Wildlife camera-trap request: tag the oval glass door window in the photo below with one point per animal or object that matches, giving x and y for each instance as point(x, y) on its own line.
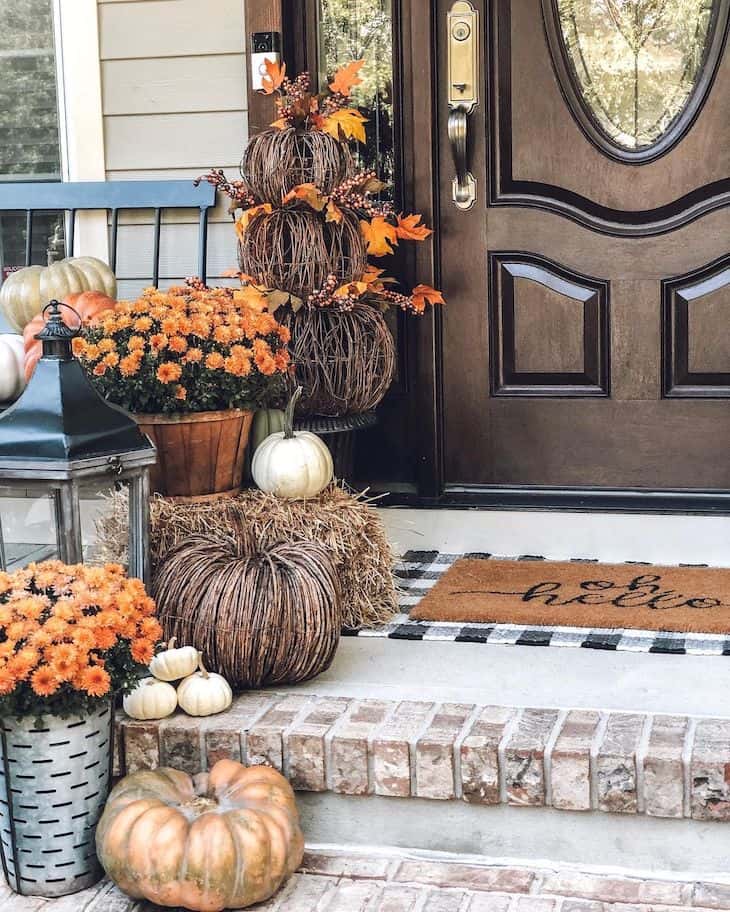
point(637, 68)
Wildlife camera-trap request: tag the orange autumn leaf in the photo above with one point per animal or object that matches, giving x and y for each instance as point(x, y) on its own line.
point(345, 124)
point(334, 213)
point(243, 220)
point(380, 235)
point(280, 124)
point(409, 228)
point(309, 193)
point(423, 295)
point(276, 73)
point(352, 289)
point(346, 78)
point(251, 297)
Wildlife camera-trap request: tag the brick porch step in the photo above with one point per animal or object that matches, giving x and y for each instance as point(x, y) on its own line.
point(339, 880)
point(576, 760)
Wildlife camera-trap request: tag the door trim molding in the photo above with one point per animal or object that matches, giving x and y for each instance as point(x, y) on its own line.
point(505, 190)
point(589, 500)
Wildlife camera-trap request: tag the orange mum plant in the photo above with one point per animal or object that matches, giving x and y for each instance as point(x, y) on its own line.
point(71, 636)
point(189, 349)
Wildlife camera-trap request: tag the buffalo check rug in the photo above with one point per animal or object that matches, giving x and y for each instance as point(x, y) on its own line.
point(418, 571)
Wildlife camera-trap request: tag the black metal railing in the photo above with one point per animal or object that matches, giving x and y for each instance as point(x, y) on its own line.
point(113, 197)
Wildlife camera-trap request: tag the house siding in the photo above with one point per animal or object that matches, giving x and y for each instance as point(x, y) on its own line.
point(173, 78)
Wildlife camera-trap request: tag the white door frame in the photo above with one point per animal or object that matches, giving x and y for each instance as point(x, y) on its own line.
point(78, 68)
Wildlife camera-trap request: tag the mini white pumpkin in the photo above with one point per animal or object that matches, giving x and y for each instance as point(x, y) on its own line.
point(26, 292)
point(204, 693)
point(294, 466)
point(12, 366)
point(174, 663)
point(151, 699)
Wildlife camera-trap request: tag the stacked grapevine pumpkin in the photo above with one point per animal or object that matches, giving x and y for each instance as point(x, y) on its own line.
point(309, 224)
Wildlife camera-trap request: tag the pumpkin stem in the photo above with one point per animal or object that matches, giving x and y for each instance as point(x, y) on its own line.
point(201, 668)
point(289, 414)
point(171, 642)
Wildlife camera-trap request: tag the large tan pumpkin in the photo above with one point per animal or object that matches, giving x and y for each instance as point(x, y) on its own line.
point(87, 304)
point(227, 839)
point(26, 292)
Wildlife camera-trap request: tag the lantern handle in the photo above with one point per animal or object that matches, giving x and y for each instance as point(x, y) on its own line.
point(57, 304)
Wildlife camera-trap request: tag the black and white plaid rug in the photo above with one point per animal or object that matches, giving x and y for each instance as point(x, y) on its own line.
point(419, 571)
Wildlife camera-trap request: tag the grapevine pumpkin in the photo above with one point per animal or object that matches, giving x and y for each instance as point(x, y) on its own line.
point(260, 615)
point(292, 465)
point(26, 292)
point(87, 304)
point(227, 839)
point(12, 379)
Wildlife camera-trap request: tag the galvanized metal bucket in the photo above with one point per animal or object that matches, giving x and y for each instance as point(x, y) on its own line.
point(54, 782)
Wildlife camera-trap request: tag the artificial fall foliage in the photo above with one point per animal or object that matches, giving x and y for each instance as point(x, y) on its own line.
point(381, 226)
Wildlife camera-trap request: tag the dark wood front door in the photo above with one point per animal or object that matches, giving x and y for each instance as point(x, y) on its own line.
point(586, 340)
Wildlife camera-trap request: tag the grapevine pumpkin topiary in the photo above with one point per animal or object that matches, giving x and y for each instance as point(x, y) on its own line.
point(276, 161)
point(269, 615)
point(345, 360)
point(227, 839)
point(26, 292)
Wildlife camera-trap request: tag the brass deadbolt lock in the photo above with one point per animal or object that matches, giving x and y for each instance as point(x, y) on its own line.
point(461, 31)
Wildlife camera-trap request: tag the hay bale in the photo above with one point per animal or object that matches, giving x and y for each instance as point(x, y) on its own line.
point(345, 525)
point(260, 616)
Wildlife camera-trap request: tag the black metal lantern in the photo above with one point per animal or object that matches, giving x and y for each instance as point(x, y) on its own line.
point(62, 448)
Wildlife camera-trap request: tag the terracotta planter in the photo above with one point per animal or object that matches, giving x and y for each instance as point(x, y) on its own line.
point(199, 454)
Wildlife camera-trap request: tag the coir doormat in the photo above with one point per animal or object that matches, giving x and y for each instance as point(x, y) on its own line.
point(576, 594)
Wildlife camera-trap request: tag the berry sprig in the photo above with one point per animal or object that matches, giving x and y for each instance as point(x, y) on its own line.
point(355, 193)
point(236, 189)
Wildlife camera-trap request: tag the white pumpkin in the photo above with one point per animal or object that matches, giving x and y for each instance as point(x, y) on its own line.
point(26, 292)
point(292, 465)
point(174, 663)
point(151, 699)
point(204, 693)
point(12, 366)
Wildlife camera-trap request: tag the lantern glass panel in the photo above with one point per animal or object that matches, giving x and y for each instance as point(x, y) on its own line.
point(100, 520)
point(27, 513)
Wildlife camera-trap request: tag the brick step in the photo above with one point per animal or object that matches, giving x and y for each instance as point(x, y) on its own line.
point(671, 767)
point(347, 880)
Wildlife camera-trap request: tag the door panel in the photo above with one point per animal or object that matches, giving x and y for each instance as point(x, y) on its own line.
point(584, 343)
point(571, 174)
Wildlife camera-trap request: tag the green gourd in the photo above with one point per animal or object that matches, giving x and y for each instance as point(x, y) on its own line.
point(265, 423)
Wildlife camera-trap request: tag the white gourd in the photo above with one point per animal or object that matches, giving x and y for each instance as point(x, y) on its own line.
point(26, 292)
point(204, 693)
point(151, 699)
point(292, 465)
point(174, 663)
point(12, 369)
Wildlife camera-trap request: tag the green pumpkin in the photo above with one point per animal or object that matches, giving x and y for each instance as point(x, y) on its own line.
point(265, 422)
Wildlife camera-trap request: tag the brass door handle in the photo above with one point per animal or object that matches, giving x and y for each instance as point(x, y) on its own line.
point(464, 190)
point(463, 76)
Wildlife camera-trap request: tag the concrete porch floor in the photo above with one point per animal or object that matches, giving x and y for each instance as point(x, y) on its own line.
point(370, 667)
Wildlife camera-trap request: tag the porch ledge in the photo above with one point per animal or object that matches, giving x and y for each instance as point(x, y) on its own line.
point(575, 760)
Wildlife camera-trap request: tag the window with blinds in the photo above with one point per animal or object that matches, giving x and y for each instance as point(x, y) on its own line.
point(29, 129)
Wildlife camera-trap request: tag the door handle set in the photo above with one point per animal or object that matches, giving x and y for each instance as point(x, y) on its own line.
point(463, 74)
